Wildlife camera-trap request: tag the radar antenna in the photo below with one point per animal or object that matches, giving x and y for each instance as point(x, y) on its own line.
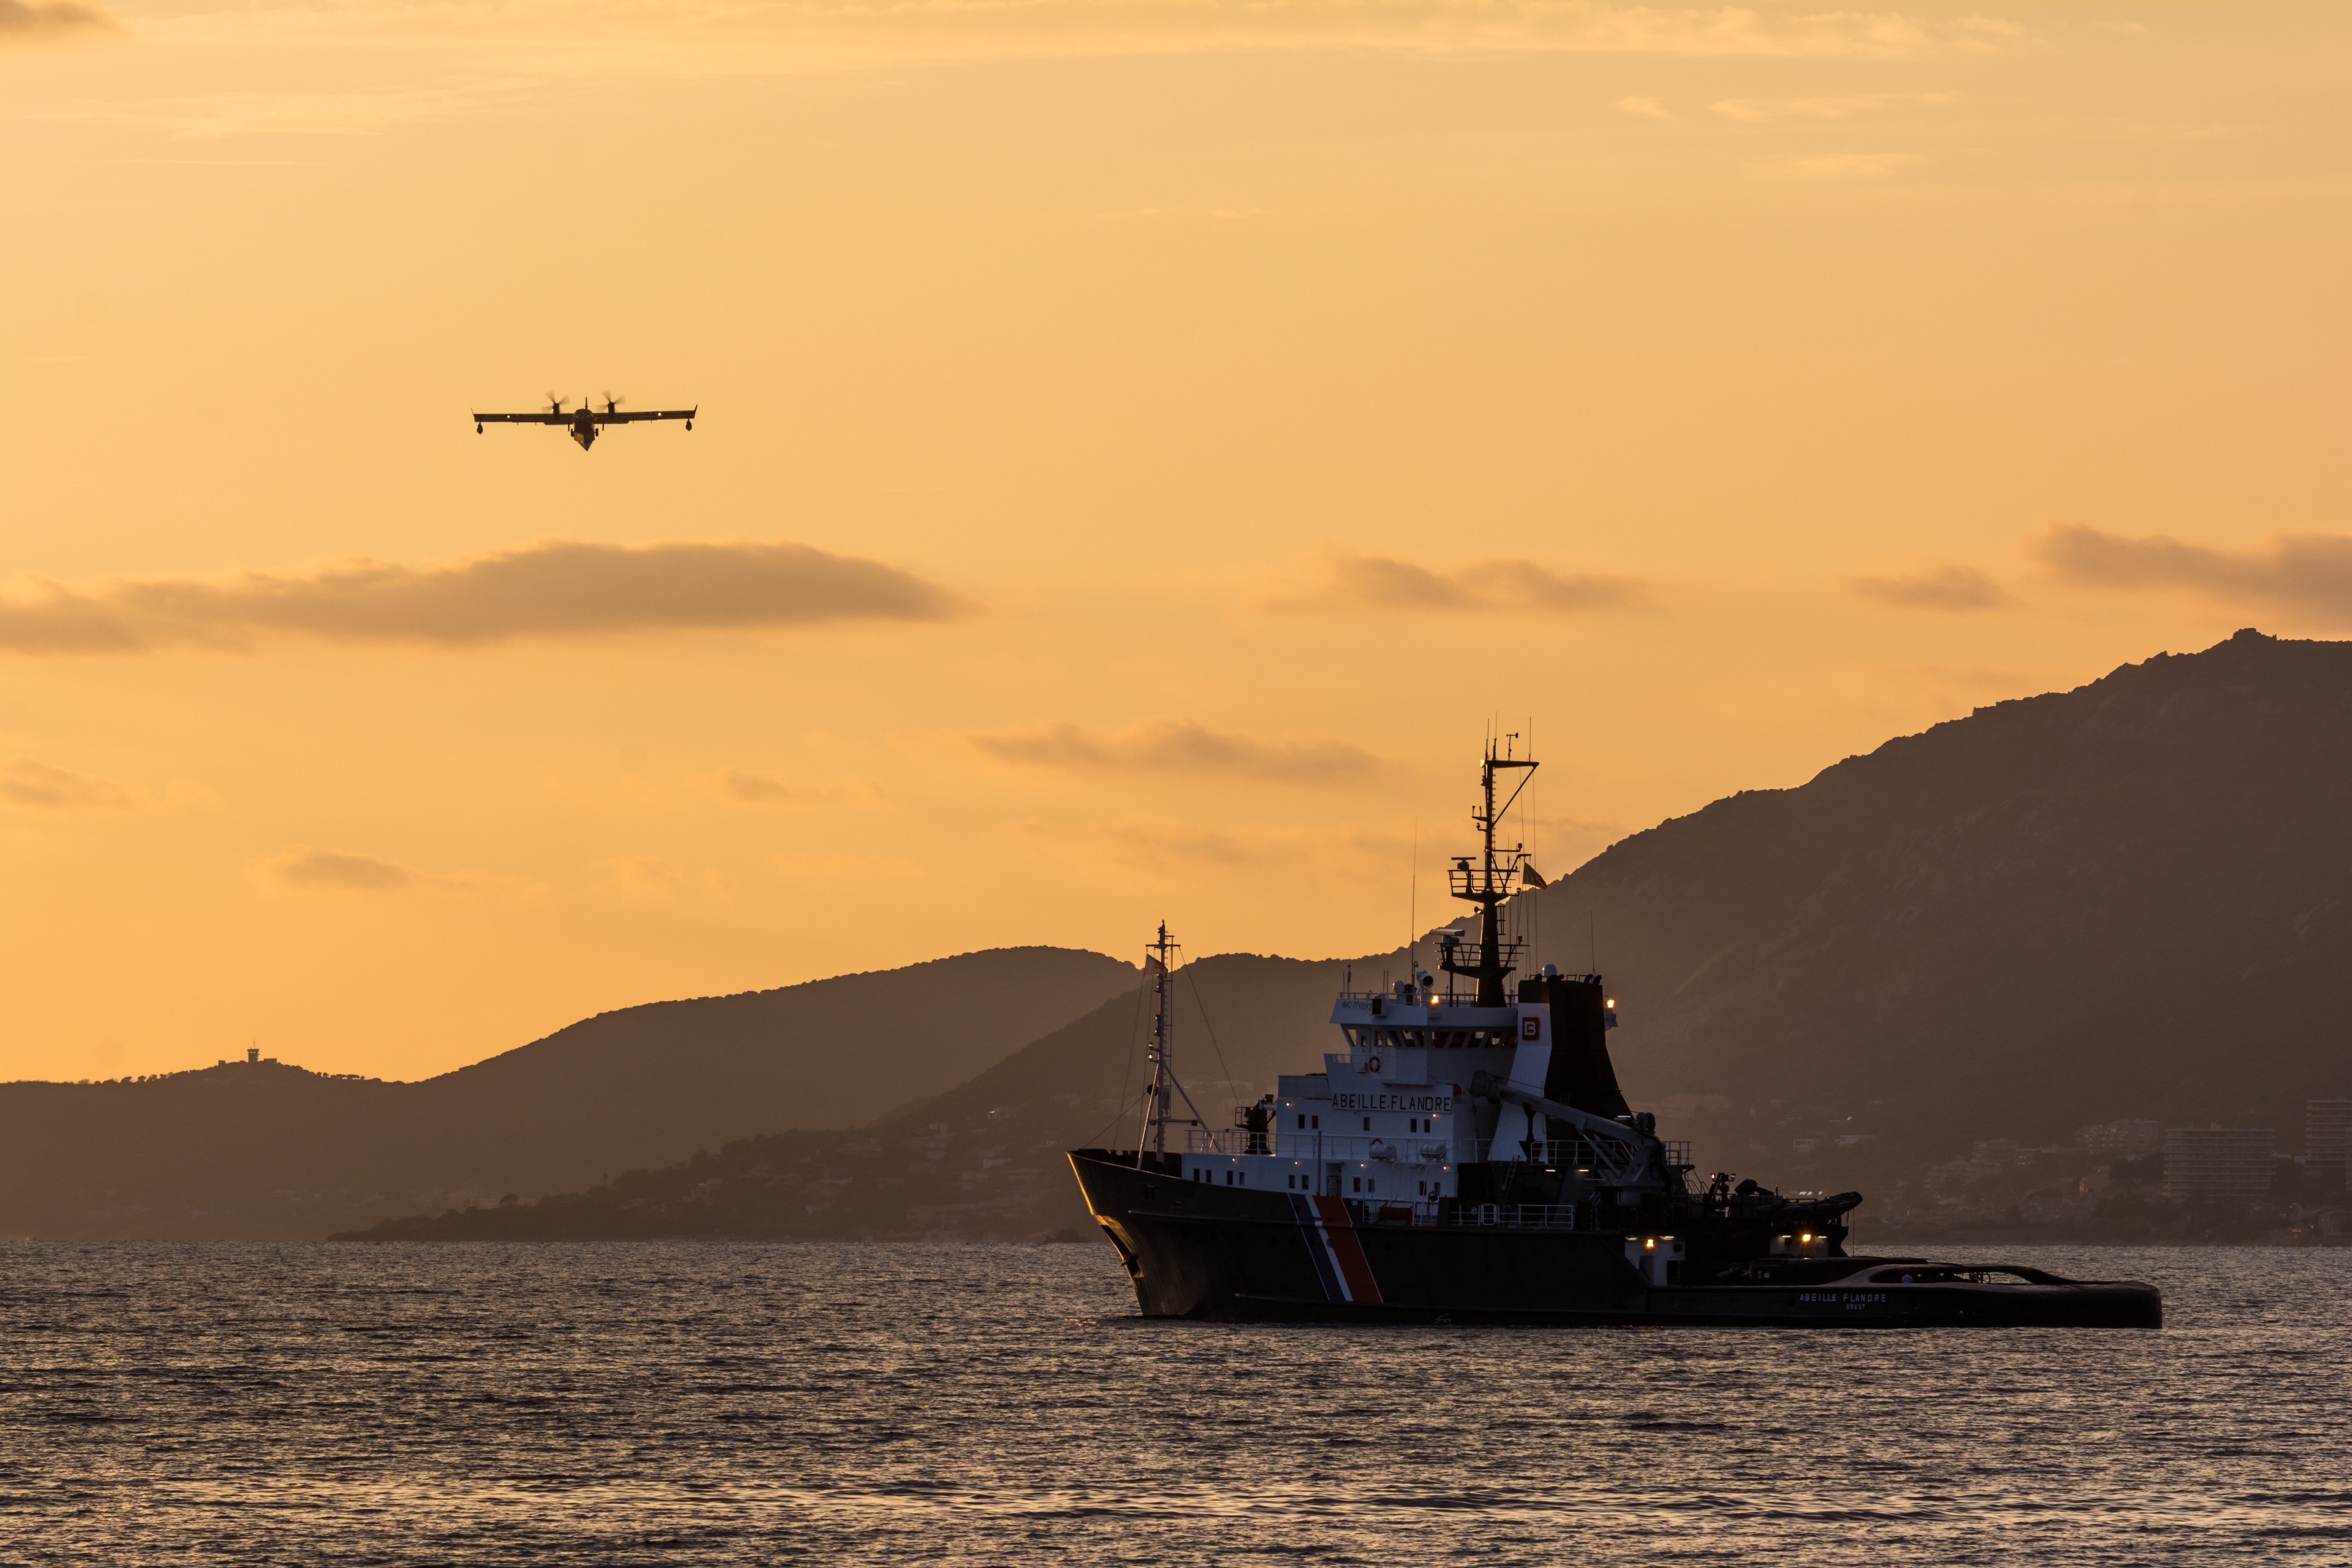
point(1489, 884)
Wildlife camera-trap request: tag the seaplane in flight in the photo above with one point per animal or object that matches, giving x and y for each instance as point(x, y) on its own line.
point(584, 423)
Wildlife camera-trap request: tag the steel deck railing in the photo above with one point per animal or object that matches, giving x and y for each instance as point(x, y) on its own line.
point(1407, 1149)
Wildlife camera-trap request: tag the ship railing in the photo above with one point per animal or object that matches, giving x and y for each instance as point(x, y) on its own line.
point(1577, 1154)
point(1520, 1216)
point(1471, 957)
point(1583, 1156)
point(1332, 1148)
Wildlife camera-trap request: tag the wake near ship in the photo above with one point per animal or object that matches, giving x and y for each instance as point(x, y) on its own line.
point(1469, 1156)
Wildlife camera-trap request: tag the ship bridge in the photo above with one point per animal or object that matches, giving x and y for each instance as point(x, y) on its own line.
point(1399, 1017)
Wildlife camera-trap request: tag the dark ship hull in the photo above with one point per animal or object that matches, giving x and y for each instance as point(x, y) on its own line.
point(1199, 1251)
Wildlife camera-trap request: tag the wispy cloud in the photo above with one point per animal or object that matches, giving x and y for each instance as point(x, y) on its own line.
point(1184, 747)
point(2310, 573)
point(1164, 846)
point(721, 37)
point(555, 589)
point(41, 787)
point(48, 21)
point(1943, 588)
point(217, 115)
point(305, 870)
point(1646, 108)
point(1762, 111)
point(1982, 680)
point(314, 871)
point(1848, 165)
point(651, 876)
point(758, 789)
point(1341, 579)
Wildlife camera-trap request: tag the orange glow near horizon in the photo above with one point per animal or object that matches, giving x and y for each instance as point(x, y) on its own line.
point(1143, 450)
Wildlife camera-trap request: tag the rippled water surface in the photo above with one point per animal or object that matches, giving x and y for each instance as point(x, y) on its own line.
point(715, 1403)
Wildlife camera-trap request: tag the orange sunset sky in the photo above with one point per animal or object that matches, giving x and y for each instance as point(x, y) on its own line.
point(1143, 448)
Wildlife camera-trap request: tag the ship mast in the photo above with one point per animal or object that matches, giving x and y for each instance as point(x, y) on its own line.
point(1489, 884)
point(1160, 961)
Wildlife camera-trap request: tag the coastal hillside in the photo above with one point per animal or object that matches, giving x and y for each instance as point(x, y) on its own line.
point(2132, 900)
point(269, 1150)
point(2129, 900)
point(983, 1159)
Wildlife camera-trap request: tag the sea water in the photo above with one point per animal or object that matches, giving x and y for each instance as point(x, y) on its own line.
point(722, 1403)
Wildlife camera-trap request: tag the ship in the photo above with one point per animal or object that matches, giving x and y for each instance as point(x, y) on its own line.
point(1469, 1157)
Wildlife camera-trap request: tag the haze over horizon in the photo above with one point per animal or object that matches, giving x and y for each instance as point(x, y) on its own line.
point(1142, 450)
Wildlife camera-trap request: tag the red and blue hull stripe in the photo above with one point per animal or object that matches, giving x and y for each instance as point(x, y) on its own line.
point(1335, 1249)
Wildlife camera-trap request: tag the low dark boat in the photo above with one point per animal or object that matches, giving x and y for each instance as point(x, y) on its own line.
point(1471, 1159)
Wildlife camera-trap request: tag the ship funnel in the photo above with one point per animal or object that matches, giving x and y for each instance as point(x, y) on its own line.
point(1580, 1073)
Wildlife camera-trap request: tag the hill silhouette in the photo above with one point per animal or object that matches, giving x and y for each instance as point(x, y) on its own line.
point(269, 1150)
point(2129, 899)
point(985, 1158)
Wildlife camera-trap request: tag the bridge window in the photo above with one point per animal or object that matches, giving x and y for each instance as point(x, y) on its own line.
point(1368, 1124)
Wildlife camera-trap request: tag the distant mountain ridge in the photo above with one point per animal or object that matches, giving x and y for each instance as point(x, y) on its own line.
point(269, 1150)
point(2132, 899)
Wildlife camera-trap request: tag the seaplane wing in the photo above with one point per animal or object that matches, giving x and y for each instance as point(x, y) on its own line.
point(556, 418)
point(626, 415)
